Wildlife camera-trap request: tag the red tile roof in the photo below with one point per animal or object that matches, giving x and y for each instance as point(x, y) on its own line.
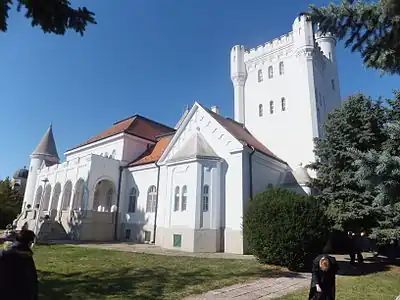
point(137, 125)
point(154, 153)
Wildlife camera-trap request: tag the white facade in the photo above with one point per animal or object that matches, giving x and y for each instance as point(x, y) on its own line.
point(284, 89)
point(188, 187)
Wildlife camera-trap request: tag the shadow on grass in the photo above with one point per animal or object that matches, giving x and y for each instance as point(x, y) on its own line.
point(371, 265)
point(128, 283)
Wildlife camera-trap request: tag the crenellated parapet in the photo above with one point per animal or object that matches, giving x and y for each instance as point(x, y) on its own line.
point(269, 48)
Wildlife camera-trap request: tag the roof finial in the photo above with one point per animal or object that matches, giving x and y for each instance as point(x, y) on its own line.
point(51, 124)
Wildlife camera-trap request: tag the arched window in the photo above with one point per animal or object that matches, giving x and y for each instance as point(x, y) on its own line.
point(281, 68)
point(113, 154)
point(271, 107)
point(260, 75)
point(132, 201)
point(184, 198)
point(330, 56)
point(333, 84)
point(283, 104)
point(66, 200)
point(176, 198)
point(151, 199)
point(46, 198)
point(206, 191)
point(39, 193)
point(260, 110)
point(109, 198)
point(270, 72)
point(106, 154)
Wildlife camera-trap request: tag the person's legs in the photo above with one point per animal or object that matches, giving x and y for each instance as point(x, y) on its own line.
point(352, 257)
point(360, 258)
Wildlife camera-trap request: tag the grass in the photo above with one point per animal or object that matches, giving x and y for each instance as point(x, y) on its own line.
point(68, 272)
point(376, 286)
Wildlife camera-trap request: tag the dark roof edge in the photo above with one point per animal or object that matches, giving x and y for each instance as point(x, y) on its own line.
point(266, 154)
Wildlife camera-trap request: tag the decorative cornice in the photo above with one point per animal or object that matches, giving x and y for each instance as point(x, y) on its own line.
point(308, 53)
point(239, 79)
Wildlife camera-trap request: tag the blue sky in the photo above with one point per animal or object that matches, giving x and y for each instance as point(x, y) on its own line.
point(150, 57)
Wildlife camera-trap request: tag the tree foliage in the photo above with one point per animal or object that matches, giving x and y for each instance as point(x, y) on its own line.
point(53, 16)
point(285, 228)
point(358, 124)
point(10, 203)
point(378, 171)
point(371, 28)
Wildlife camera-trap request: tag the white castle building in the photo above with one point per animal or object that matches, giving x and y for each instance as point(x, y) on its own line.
point(187, 187)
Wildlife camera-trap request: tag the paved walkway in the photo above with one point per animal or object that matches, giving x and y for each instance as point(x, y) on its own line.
point(265, 288)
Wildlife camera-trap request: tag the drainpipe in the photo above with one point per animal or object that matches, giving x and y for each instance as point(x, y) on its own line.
point(156, 208)
point(251, 170)
point(118, 201)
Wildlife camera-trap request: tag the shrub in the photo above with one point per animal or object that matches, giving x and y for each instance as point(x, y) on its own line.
point(285, 228)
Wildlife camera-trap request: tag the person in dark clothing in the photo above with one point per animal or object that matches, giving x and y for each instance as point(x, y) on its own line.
point(354, 248)
point(18, 277)
point(323, 279)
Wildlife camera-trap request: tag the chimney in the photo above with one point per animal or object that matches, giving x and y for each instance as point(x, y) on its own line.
point(215, 109)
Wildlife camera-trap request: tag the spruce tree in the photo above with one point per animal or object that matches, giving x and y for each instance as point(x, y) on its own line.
point(52, 16)
point(358, 124)
point(369, 27)
point(378, 171)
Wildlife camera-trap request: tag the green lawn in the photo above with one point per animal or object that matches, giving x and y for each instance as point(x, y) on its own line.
point(68, 272)
point(383, 285)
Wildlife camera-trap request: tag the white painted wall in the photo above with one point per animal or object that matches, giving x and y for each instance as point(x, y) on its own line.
point(288, 133)
point(141, 178)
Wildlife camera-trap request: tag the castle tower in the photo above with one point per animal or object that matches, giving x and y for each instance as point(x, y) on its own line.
point(238, 77)
point(44, 154)
point(284, 89)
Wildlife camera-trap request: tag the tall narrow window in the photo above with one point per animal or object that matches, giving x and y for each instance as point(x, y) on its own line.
point(270, 72)
point(177, 198)
point(333, 84)
point(206, 191)
point(110, 193)
point(260, 75)
point(184, 198)
point(260, 110)
point(132, 201)
point(151, 199)
point(330, 56)
point(271, 107)
point(281, 68)
point(283, 104)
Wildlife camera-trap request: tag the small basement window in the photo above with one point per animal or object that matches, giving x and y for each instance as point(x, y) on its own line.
point(177, 240)
point(127, 234)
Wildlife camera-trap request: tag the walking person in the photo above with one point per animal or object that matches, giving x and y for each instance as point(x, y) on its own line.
point(323, 279)
point(18, 277)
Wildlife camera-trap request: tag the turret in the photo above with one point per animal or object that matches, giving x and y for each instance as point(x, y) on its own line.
point(44, 154)
point(238, 77)
point(303, 33)
point(327, 43)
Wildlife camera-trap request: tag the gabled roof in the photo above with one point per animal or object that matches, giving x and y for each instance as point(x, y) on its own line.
point(195, 147)
point(241, 134)
point(154, 153)
point(47, 147)
point(136, 125)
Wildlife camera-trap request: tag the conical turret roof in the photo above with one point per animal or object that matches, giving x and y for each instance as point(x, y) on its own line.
point(47, 147)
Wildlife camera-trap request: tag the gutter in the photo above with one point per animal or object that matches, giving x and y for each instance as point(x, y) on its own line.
point(156, 208)
point(251, 170)
point(118, 201)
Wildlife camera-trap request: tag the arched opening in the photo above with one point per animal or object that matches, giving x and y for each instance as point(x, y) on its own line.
point(77, 203)
point(54, 199)
point(38, 196)
point(46, 198)
point(104, 196)
point(66, 199)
